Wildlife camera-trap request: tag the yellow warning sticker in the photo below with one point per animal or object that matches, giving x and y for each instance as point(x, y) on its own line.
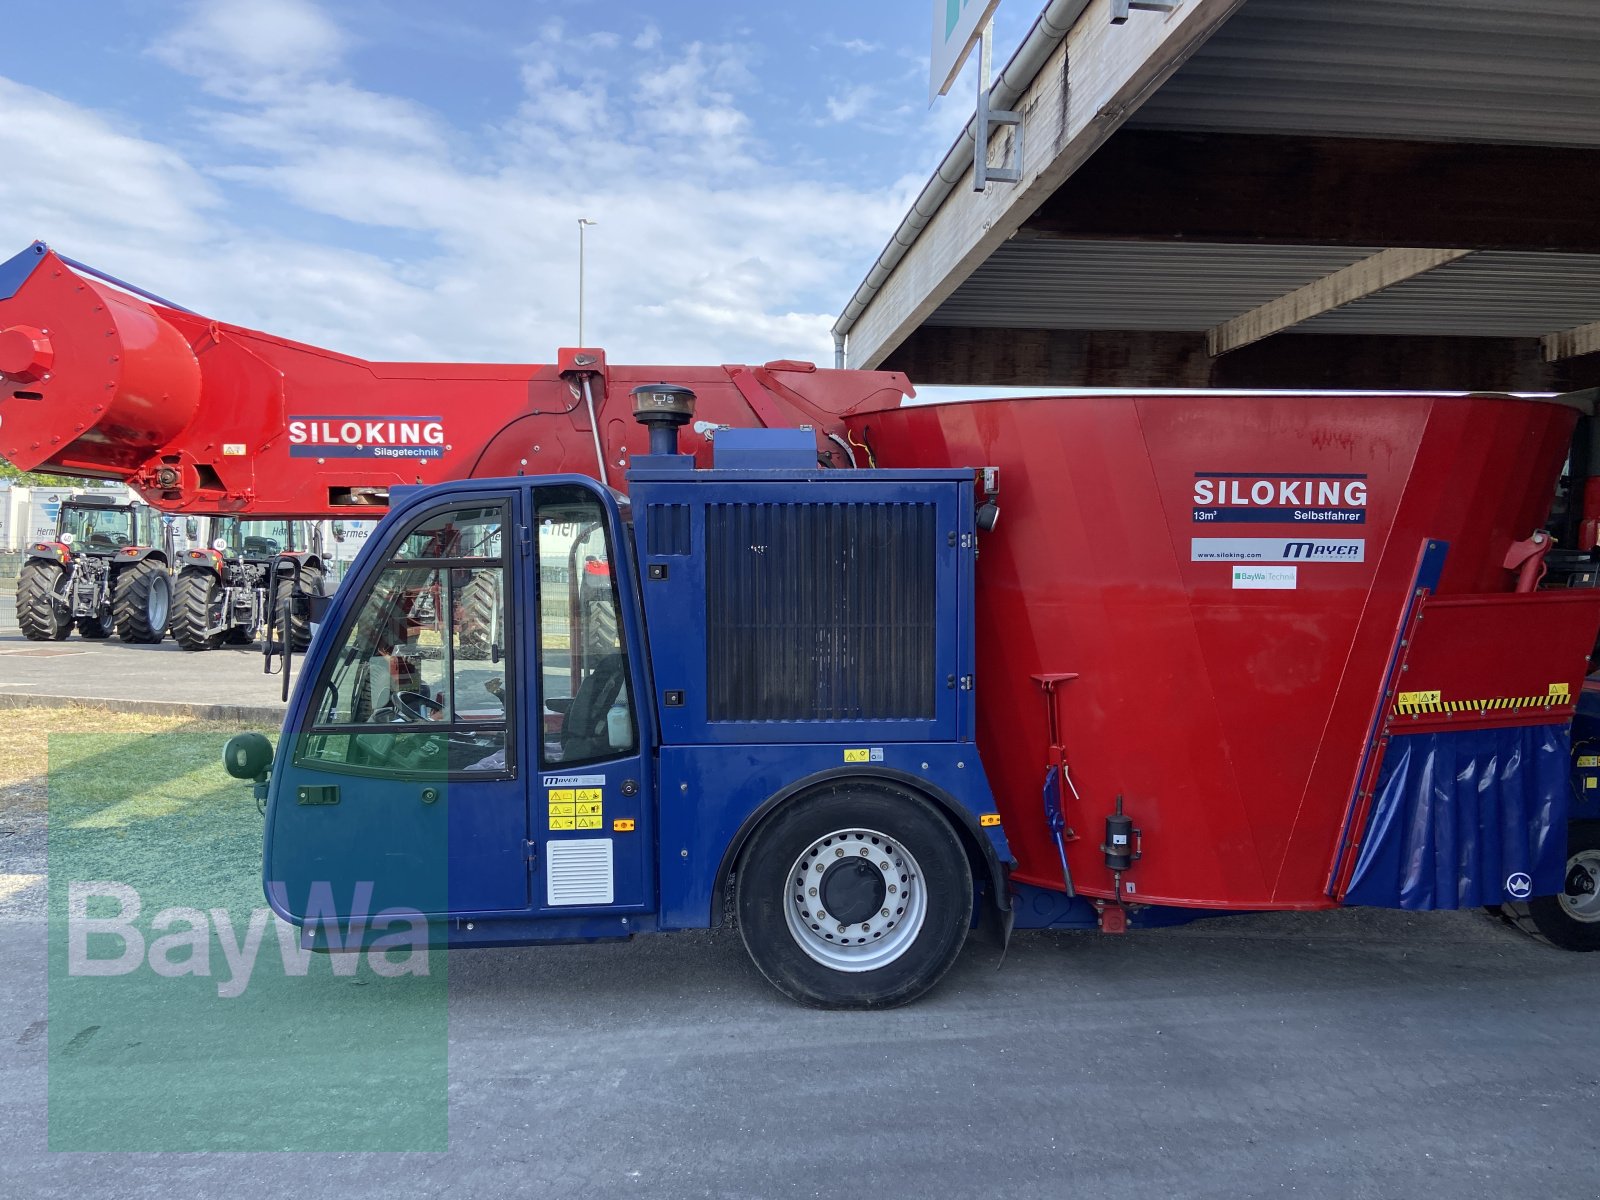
point(589, 822)
point(589, 795)
point(1560, 689)
point(1590, 782)
point(562, 796)
point(1589, 760)
point(856, 756)
point(562, 822)
point(588, 810)
point(1419, 698)
point(622, 825)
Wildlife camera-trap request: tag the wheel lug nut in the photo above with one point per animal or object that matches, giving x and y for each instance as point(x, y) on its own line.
point(838, 852)
point(885, 912)
point(864, 852)
point(813, 891)
point(893, 889)
point(841, 928)
point(883, 866)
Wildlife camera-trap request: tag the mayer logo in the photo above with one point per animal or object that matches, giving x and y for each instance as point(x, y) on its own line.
point(1277, 550)
point(1519, 886)
point(1224, 497)
point(367, 437)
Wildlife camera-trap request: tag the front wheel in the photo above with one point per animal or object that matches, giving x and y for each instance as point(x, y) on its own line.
point(1571, 919)
point(859, 896)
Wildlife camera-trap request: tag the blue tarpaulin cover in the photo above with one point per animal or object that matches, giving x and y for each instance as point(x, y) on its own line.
point(1467, 818)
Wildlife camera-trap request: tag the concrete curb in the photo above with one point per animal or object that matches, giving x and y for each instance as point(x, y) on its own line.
point(245, 714)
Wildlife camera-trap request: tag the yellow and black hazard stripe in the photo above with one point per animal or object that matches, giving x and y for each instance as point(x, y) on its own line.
point(1412, 704)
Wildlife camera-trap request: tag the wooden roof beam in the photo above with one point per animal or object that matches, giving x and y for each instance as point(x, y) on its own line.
point(1570, 343)
point(1355, 282)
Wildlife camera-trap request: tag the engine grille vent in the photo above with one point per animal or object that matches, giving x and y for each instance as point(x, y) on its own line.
point(578, 872)
point(669, 529)
point(820, 612)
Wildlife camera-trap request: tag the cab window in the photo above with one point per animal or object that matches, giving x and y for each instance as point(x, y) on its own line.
point(586, 691)
point(421, 682)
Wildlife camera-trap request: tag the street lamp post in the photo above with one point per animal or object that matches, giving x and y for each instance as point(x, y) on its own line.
point(582, 221)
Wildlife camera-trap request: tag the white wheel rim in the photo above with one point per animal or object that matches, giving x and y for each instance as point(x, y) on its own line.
point(846, 868)
point(1580, 896)
point(158, 602)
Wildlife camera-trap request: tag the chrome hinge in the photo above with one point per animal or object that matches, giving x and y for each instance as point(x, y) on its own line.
point(968, 540)
point(966, 683)
point(530, 851)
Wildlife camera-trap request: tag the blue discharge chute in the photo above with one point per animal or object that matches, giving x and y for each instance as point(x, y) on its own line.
point(1467, 818)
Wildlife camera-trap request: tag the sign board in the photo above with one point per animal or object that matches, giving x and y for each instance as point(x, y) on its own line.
point(957, 25)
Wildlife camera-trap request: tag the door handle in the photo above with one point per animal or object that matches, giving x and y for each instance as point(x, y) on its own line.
point(317, 794)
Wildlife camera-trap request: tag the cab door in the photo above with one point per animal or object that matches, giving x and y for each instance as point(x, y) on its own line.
point(407, 786)
point(591, 812)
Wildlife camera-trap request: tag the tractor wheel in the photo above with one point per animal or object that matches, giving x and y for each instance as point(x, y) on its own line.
point(1570, 920)
point(238, 635)
point(479, 618)
point(300, 627)
point(858, 896)
point(41, 613)
point(95, 628)
point(144, 602)
point(196, 607)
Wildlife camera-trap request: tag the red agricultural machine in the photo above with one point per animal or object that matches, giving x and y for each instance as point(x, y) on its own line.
point(1222, 653)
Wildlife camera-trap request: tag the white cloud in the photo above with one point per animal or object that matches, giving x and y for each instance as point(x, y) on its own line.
point(852, 103)
point(710, 247)
point(232, 44)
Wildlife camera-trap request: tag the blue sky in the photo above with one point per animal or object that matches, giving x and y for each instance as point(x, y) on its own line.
point(398, 179)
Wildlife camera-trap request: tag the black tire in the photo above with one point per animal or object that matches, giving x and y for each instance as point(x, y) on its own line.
point(862, 819)
point(1570, 921)
point(143, 602)
point(196, 599)
point(96, 629)
point(299, 627)
point(238, 635)
point(41, 614)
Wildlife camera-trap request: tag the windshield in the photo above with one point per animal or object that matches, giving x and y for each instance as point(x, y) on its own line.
point(103, 527)
point(254, 539)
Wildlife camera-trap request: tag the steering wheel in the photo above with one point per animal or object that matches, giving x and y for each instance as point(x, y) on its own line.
point(414, 706)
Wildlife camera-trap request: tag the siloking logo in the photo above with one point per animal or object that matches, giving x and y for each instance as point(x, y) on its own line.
point(366, 437)
point(1226, 497)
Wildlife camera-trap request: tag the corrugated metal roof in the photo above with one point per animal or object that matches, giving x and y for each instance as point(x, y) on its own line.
point(1488, 294)
point(1515, 71)
point(1049, 284)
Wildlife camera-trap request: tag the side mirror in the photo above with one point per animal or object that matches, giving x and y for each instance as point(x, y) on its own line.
point(247, 756)
point(191, 529)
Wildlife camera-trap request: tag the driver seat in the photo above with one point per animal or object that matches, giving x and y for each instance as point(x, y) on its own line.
point(584, 734)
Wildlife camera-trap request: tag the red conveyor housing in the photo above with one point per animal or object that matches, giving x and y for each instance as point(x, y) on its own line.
point(202, 416)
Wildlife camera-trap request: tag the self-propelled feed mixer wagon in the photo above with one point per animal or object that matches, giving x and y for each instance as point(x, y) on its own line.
point(1219, 653)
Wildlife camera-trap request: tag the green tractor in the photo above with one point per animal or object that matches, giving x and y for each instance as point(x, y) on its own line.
point(108, 568)
point(245, 571)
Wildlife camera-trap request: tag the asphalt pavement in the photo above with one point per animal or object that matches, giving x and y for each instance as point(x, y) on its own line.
point(228, 680)
point(1347, 1055)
